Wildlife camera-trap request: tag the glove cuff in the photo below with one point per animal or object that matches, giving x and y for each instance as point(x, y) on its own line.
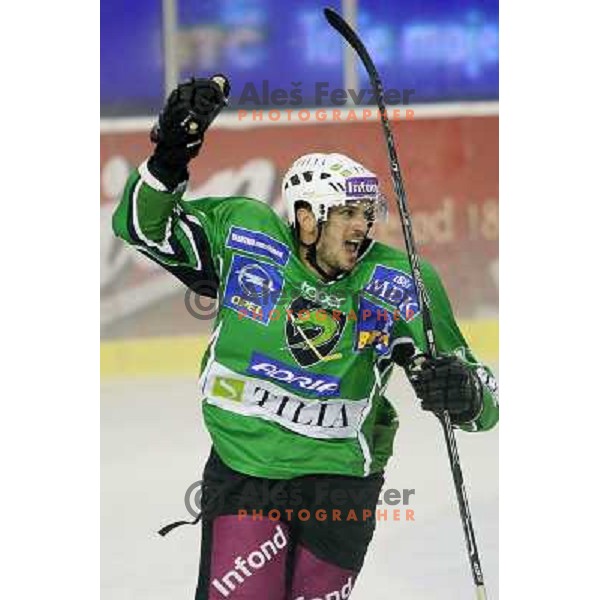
point(163, 173)
point(471, 415)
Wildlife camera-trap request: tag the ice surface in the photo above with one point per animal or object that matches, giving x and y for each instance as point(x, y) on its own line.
point(154, 447)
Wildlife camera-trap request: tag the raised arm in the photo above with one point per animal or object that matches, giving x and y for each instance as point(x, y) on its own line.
point(151, 215)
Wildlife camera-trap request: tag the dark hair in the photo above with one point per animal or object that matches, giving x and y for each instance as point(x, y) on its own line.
point(298, 205)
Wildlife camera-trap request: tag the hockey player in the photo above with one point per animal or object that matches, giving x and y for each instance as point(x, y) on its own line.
point(313, 314)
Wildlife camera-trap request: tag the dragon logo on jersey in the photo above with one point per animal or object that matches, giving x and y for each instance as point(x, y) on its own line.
point(312, 332)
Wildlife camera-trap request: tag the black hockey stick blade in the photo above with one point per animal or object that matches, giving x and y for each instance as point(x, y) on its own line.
point(338, 23)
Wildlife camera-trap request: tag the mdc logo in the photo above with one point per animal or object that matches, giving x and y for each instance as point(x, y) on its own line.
point(299, 379)
point(396, 288)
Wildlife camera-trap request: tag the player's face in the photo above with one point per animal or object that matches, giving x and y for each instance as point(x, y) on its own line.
point(342, 235)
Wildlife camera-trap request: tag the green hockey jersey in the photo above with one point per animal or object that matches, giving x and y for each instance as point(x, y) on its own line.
point(293, 379)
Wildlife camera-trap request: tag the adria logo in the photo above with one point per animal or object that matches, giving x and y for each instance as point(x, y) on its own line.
point(299, 379)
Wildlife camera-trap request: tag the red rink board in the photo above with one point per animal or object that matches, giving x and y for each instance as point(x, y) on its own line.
point(450, 166)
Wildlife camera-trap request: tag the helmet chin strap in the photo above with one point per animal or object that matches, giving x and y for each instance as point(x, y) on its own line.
point(311, 255)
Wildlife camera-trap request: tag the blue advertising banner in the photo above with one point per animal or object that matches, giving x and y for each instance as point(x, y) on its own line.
point(131, 57)
point(284, 53)
point(443, 49)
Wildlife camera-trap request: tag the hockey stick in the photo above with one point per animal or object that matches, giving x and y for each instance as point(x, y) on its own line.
point(338, 23)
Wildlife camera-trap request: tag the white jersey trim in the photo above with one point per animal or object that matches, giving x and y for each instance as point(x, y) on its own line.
point(163, 246)
point(149, 179)
point(362, 440)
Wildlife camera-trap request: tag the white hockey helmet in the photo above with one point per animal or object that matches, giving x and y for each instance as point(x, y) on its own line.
point(328, 180)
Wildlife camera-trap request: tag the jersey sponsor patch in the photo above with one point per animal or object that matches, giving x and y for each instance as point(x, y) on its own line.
point(374, 327)
point(333, 418)
point(253, 288)
point(228, 388)
point(395, 288)
point(321, 296)
point(258, 243)
point(300, 379)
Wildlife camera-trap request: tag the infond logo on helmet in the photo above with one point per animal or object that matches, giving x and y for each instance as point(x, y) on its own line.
point(361, 186)
point(299, 379)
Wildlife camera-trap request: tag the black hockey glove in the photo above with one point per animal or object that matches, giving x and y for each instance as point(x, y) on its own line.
point(402, 351)
point(447, 383)
point(179, 133)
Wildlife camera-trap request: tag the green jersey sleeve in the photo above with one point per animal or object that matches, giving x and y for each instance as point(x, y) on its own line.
point(186, 237)
point(450, 340)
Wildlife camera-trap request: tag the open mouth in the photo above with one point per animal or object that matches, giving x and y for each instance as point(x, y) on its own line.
point(352, 246)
